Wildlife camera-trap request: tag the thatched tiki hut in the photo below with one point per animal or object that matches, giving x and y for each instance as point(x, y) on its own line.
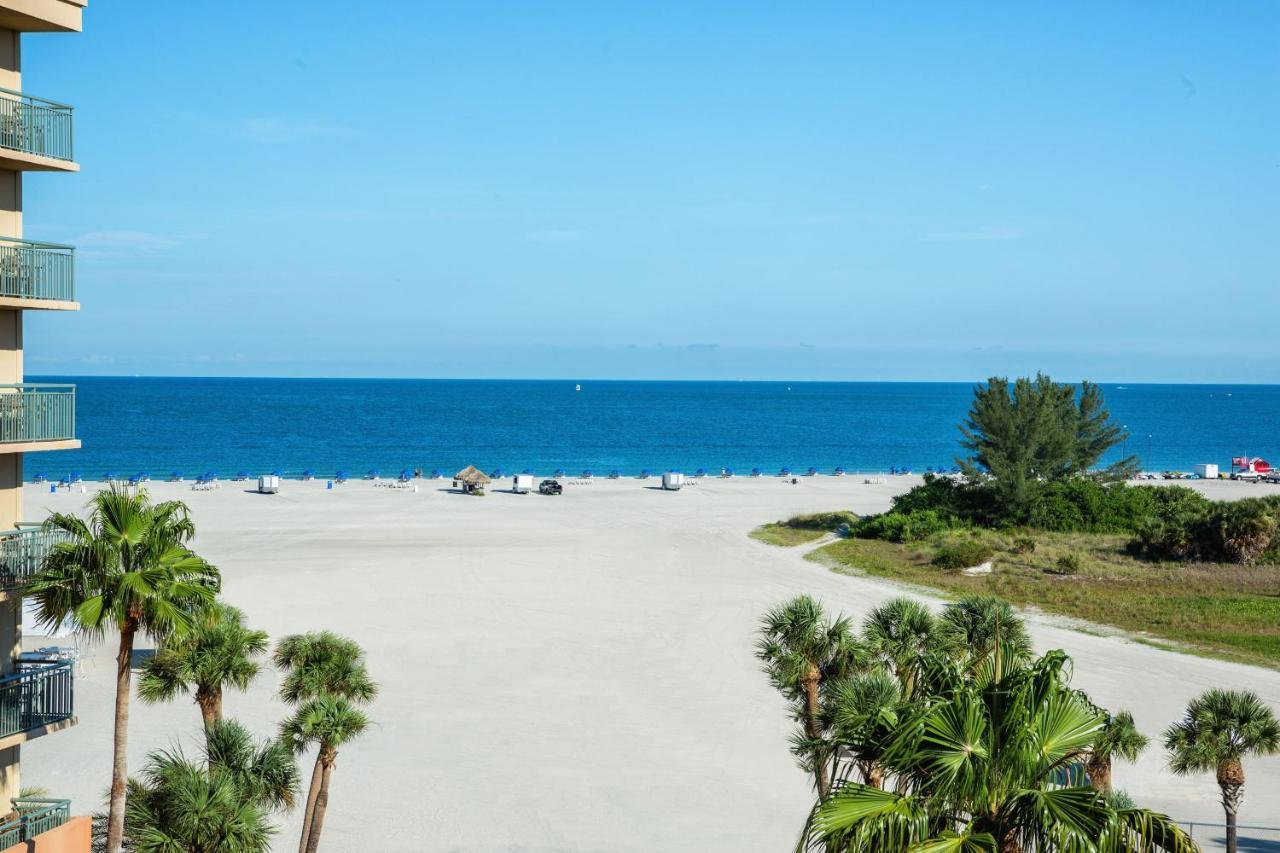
point(472, 480)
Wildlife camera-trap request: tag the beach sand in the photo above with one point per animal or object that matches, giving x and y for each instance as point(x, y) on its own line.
point(569, 673)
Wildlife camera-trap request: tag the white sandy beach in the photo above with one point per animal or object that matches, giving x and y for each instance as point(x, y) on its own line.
point(572, 673)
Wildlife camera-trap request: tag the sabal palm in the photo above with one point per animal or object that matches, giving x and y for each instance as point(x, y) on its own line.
point(901, 634)
point(982, 770)
point(1220, 729)
point(862, 712)
point(802, 648)
point(126, 568)
point(219, 805)
point(321, 665)
point(974, 625)
point(219, 653)
point(1118, 738)
point(327, 722)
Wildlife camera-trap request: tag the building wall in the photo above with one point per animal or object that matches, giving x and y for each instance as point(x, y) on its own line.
point(74, 836)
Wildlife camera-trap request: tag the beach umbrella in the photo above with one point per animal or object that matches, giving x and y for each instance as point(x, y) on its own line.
point(66, 481)
point(559, 473)
point(341, 475)
point(242, 475)
point(39, 478)
point(435, 473)
point(75, 476)
point(701, 472)
point(497, 474)
point(528, 471)
point(133, 481)
point(277, 473)
point(644, 474)
point(785, 472)
point(755, 472)
point(839, 472)
point(308, 474)
point(728, 472)
point(614, 474)
point(811, 472)
point(109, 476)
point(587, 475)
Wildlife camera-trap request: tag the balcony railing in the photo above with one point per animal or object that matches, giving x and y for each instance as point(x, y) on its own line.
point(37, 412)
point(30, 270)
point(35, 815)
point(22, 554)
point(34, 125)
point(36, 697)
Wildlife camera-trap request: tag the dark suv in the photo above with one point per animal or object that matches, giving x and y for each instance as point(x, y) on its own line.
point(550, 487)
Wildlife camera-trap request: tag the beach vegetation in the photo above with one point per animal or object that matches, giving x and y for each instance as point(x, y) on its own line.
point(220, 803)
point(947, 733)
point(802, 529)
point(1118, 738)
point(1221, 728)
point(1225, 610)
point(962, 554)
point(220, 652)
point(126, 569)
point(326, 679)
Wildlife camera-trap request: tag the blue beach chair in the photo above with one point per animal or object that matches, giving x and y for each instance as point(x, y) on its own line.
point(340, 477)
point(756, 472)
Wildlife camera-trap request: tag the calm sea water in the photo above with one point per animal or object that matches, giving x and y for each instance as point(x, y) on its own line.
point(158, 425)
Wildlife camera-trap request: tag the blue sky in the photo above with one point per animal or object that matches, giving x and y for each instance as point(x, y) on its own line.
point(667, 190)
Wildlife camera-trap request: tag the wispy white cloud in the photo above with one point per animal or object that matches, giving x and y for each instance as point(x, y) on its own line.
point(281, 128)
point(988, 232)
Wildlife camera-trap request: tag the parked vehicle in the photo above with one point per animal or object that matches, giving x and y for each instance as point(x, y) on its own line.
point(522, 484)
point(550, 487)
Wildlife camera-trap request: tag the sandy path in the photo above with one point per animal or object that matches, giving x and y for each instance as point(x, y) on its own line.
point(569, 673)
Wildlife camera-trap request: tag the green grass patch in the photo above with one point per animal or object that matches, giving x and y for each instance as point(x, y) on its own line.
point(1224, 610)
point(780, 534)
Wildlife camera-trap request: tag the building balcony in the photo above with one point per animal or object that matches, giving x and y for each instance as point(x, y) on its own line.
point(35, 134)
point(37, 275)
point(22, 554)
point(36, 700)
point(42, 16)
point(37, 417)
point(38, 824)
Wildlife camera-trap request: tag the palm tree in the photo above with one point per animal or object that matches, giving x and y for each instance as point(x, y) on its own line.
point(802, 649)
point(1220, 729)
point(219, 653)
point(328, 722)
point(126, 569)
point(862, 713)
point(219, 805)
point(974, 625)
point(986, 768)
point(321, 665)
point(1118, 738)
point(900, 634)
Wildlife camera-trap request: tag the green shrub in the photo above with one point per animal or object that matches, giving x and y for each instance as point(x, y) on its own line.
point(1023, 545)
point(901, 527)
point(1187, 528)
point(821, 521)
point(964, 554)
point(1067, 564)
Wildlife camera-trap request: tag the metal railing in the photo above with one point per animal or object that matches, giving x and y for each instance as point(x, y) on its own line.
point(36, 697)
point(1212, 837)
point(35, 125)
point(31, 270)
point(35, 815)
point(22, 553)
point(31, 412)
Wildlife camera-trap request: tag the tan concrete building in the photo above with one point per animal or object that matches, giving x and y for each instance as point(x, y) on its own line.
point(35, 695)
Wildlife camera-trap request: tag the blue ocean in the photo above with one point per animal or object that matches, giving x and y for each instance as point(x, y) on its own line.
point(194, 425)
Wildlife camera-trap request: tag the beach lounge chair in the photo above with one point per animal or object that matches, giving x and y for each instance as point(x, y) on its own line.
point(405, 475)
point(726, 473)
